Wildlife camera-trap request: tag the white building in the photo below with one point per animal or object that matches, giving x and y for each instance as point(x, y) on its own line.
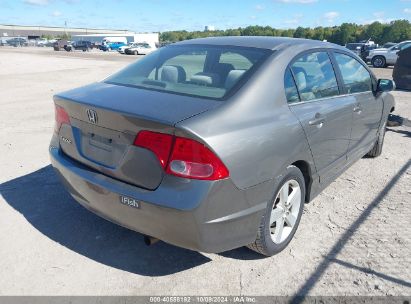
point(36, 31)
point(209, 28)
point(150, 38)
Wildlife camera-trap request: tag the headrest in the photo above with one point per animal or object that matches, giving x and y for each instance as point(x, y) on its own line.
point(172, 73)
point(232, 78)
point(206, 79)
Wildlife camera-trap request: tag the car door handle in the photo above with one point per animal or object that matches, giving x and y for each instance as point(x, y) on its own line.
point(357, 109)
point(317, 121)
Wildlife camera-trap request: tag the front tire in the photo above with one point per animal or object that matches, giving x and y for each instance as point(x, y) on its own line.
point(282, 216)
point(136, 53)
point(379, 62)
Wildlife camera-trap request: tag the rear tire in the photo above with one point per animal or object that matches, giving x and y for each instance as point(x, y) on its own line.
point(377, 149)
point(282, 216)
point(379, 62)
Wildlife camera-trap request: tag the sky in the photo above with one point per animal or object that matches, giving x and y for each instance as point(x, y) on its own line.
point(166, 15)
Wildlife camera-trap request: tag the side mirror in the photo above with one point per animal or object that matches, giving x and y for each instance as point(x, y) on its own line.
point(385, 85)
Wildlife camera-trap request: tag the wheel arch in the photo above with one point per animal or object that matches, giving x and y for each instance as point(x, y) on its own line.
point(305, 169)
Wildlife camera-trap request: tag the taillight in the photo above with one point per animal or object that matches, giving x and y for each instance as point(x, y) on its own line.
point(61, 118)
point(183, 157)
point(192, 159)
point(158, 143)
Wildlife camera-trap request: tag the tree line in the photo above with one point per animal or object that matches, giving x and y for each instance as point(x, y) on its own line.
point(395, 31)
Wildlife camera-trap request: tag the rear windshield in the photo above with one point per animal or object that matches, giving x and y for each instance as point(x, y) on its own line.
point(198, 70)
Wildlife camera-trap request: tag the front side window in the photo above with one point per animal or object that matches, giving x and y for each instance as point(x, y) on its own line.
point(198, 70)
point(314, 76)
point(355, 76)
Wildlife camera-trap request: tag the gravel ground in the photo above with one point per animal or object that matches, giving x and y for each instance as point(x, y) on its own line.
point(354, 239)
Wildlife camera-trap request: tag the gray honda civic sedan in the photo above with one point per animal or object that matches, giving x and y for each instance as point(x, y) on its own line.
point(216, 143)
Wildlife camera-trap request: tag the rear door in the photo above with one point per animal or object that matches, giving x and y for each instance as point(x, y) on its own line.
point(367, 110)
point(324, 115)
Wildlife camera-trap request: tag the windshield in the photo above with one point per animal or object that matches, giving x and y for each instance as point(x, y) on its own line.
point(199, 70)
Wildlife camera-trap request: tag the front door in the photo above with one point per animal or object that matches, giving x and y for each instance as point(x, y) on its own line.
point(367, 110)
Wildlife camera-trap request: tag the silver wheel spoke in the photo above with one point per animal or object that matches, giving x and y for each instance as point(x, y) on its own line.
point(284, 193)
point(294, 197)
point(279, 226)
point(290, 220)
point(276, 214)
point(285, 211)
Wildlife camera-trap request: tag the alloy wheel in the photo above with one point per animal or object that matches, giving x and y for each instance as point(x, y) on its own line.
point(285, 211)
point(378, 62)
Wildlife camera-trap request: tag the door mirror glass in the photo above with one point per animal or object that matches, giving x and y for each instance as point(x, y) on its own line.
point(385, 85)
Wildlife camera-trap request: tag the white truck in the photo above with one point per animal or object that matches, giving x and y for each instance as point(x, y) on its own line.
point(381, 58)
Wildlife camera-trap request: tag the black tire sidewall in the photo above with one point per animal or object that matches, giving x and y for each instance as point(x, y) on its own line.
point(382, 59)
point(292, 172)
point(381, 135)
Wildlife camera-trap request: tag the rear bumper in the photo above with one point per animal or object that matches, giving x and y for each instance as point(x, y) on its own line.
point(198, 215)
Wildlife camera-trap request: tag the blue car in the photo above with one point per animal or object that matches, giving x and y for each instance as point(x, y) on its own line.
point(112, 46)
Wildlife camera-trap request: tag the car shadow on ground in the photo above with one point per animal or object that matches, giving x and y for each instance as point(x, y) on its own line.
point(46, 205)
point(403, 132)
point(332, 256)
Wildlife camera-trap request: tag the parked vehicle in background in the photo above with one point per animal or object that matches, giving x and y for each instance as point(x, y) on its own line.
point(84, 46)
point(140, 49)
point(381, 58)
point(60, 44)
point(113, 43)
point(164, 146)
point(112, 46)
point(362, 48)
point(402, 70)
point(122, 49)
point(18, 41)
point(355, 47)
point(388, 45)
point(42, 42)
point(365, 50)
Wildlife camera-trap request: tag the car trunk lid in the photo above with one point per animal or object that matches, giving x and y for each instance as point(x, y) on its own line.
point(104, 122)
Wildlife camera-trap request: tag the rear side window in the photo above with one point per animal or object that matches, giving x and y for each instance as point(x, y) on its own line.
point(290, 88)
point(314, 76)
point(355, 76)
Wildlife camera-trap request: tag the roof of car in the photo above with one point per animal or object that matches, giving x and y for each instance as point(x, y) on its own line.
point(272, 43)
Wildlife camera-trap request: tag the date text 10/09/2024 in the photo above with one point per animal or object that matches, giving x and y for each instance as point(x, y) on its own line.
point(204, 299)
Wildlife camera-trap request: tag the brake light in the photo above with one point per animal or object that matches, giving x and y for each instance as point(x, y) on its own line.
point(159, 143)
point(183, 157)
point(192, 159)
point(61, 117)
